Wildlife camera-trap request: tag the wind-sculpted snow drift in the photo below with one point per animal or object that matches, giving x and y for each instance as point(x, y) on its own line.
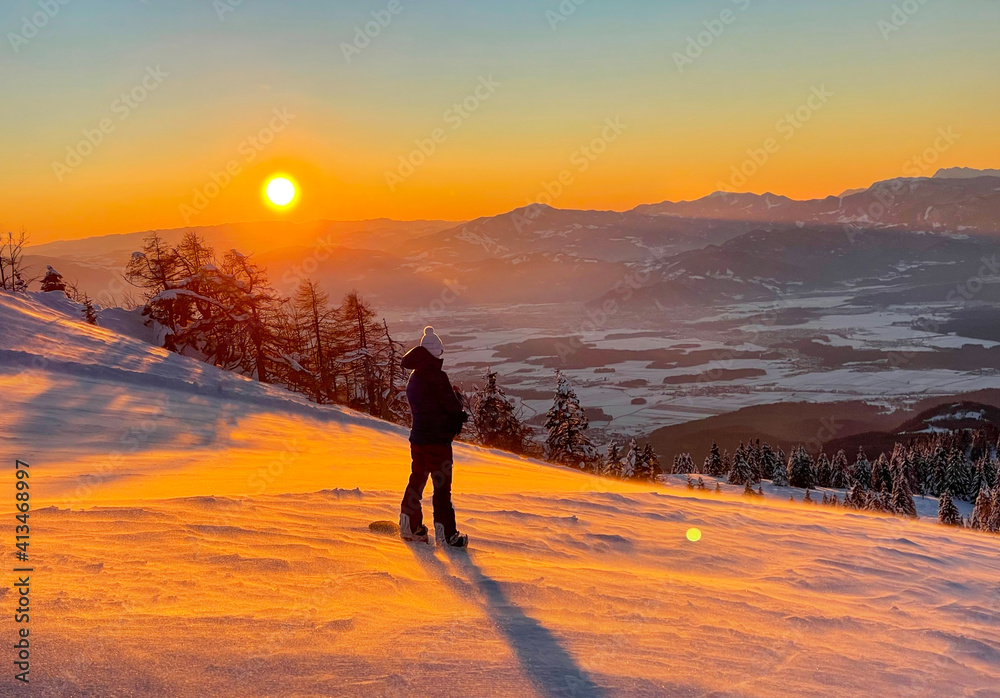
point(196, 533)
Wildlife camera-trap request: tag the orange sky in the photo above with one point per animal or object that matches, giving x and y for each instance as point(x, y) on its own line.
point(259, 99)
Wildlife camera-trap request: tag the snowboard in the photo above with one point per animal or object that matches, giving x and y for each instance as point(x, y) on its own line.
point(390, 529)
point(384, 528)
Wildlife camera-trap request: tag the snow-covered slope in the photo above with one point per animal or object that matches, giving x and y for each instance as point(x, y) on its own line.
point(198, 534)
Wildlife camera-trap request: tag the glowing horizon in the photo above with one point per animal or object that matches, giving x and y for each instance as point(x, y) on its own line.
point(152, 117)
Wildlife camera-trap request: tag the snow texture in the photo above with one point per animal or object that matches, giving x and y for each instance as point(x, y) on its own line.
point(199, 534)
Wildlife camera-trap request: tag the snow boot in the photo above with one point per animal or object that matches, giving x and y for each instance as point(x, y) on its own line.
point(457, 540)
point(408, 534)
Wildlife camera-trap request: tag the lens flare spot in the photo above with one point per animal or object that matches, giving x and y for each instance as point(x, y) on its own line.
point(693, 535)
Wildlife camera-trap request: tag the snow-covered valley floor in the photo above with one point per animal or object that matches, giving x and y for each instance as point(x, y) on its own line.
point(198, 534)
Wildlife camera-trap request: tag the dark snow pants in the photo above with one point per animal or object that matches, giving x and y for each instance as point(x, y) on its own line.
point(434, 461)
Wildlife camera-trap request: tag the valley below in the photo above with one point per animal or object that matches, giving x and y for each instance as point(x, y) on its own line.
point(637, 377)
point(669, 314)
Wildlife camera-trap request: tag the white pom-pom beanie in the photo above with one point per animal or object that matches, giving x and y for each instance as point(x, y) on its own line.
point(432, 343)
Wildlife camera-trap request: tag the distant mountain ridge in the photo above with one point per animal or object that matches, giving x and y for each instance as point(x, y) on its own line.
point(898, 234)
point(954, 203)
point(964, 173)
point(610, 236)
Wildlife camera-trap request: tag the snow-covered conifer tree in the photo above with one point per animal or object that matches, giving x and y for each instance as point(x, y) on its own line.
point(742, 473)
point(923, 465)
point(840, 476)
point(755, 456)
point(53, 281)
point(937, 465)
point(982, 511)
point(495, 419)
point(861, 476)
point(879, 500)
point(766, 461)
point(89, 312)
point(567, 424)
point(980, 478)
point(880, 474)
point(857, 498)
point(713, 463)
point(612, 464)
point(800, 469)
point(947, 512)
point(902, 503)
point(649, 464)
point(779, 472)
point(993, 524)
point(683, 464)
point(630, 463)
point(990, 471)
point(955, 478)
point(824, 471)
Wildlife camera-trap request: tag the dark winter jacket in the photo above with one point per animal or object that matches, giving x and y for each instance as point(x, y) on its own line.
point(437, 412)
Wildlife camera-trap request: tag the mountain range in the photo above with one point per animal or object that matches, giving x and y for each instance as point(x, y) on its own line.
point(896, 234)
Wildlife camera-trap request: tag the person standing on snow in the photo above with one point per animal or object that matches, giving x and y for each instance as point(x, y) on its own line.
point(438, 418)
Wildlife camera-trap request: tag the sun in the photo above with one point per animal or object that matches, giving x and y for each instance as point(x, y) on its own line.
point(280, 191)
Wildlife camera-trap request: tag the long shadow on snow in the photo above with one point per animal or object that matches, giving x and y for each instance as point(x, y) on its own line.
point(550, 668)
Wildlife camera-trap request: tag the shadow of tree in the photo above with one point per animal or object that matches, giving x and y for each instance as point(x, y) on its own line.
point(549, 667)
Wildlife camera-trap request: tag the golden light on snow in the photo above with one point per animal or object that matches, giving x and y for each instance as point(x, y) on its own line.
point(693, 535)
point(280, 191)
